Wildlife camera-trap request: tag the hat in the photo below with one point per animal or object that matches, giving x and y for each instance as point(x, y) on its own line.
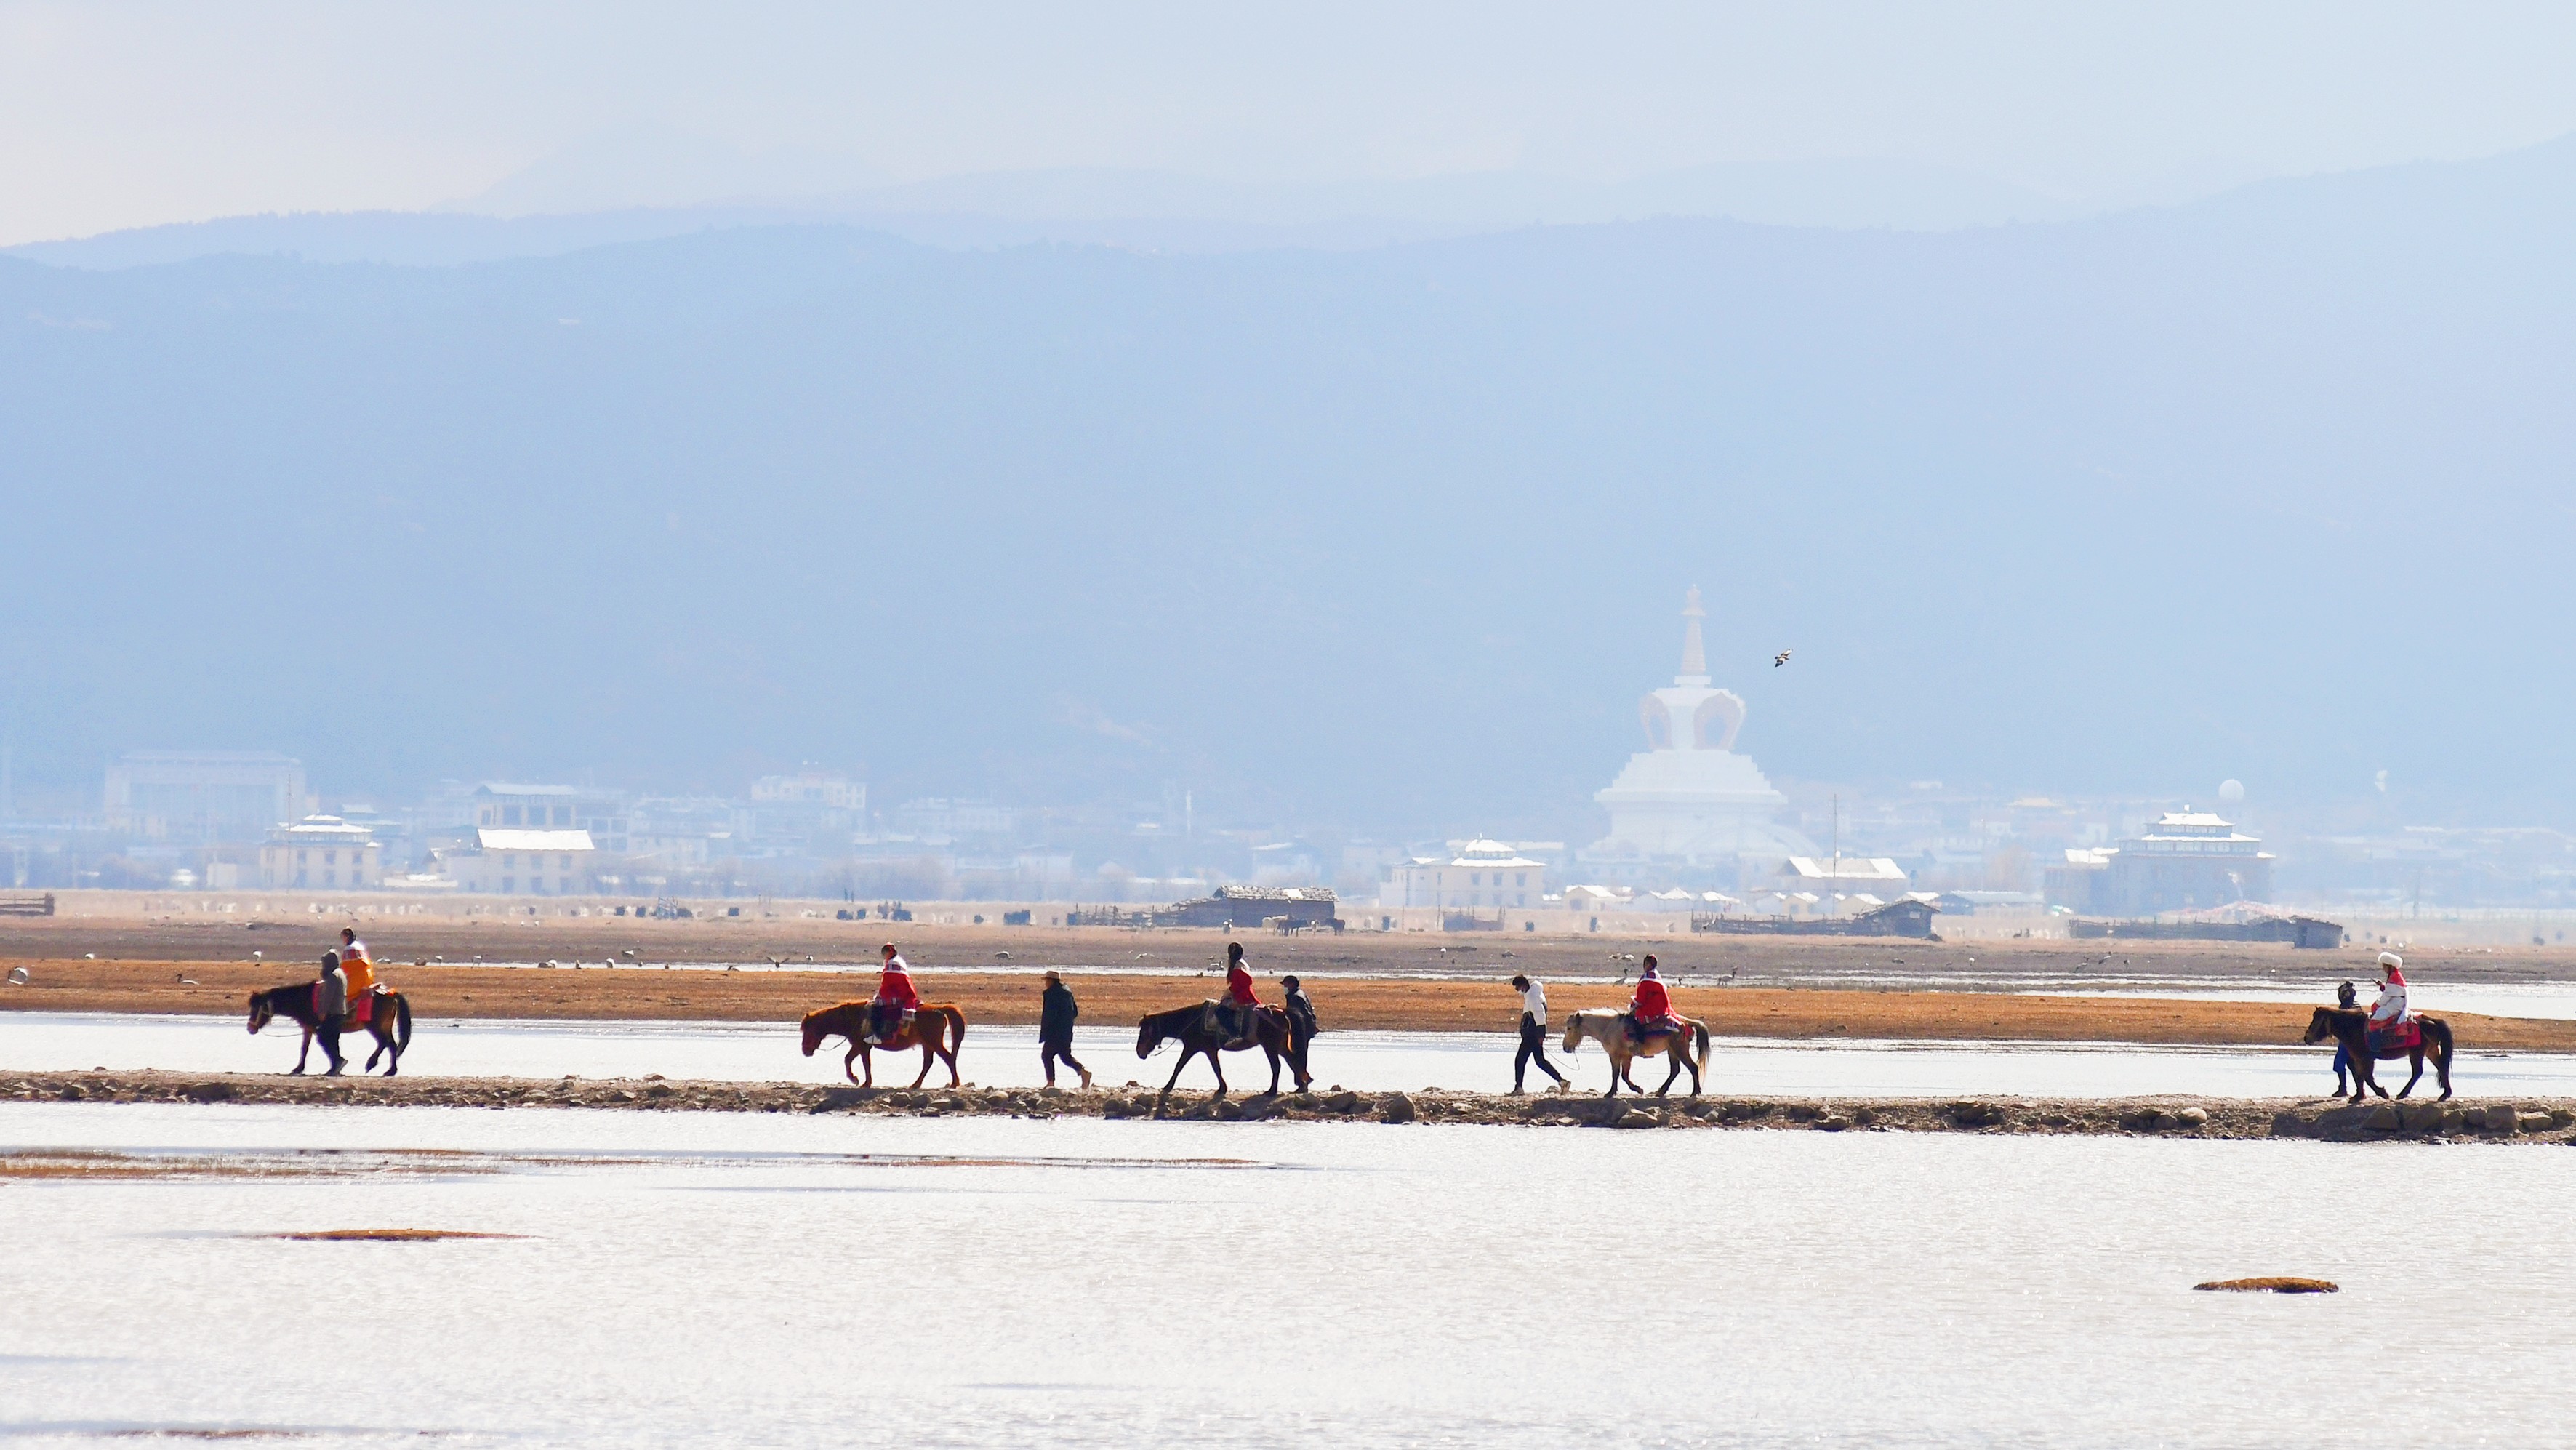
point(1287, 981)
point(1051, 975)
point(2391, 960)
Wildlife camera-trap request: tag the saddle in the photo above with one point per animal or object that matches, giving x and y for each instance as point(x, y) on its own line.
point(1641, 1028)
point(887, 1020)
point(2396, 1041)
point(1238, 1025)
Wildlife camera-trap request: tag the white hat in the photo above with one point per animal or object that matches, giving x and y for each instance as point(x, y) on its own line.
point(2391, 959)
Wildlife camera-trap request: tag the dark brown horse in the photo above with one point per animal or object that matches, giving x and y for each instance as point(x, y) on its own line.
point(936, 1028)
point(1189, 1027)
point(2350, 1026)
point(389, 1024)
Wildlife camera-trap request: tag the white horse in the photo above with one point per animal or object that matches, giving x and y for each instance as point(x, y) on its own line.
point(1610, 1029)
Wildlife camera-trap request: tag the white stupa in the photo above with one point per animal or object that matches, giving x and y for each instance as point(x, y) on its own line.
point(1688, 798)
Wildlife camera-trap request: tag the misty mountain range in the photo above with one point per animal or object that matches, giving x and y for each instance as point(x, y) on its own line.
point(2274, 486)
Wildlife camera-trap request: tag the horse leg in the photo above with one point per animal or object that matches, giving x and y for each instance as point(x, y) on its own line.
point(1616, 1068)
point(948, 1050)
point(926, 1056)
point(2417, 1075)
point(302, 1053)
point(1674, 1071)
point(849, 1060)
point(1187, 1052)
point(2442, 1065)
point(1216, 1060)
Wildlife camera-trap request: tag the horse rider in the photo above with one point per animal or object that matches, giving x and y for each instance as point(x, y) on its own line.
point(1300, 1009)
point(362, 976)
point(1533, 1035)
point(1235, 1013)
point(1652, 1007)
point(2388, 1015)
point(895, 1000)
point(330, 1002)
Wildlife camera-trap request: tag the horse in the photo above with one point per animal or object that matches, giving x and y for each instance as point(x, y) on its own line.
point(2350, 1026)
point(1188, 1026)
point(1610, 1029)
point(936, 1028)
point(389, 1024)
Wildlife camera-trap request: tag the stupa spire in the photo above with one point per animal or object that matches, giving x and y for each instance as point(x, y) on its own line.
point(1694, 653)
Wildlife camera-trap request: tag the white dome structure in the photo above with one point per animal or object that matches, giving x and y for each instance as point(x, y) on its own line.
point(1688, 798)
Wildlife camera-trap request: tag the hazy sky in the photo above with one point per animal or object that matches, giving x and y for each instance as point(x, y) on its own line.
point(130, 114)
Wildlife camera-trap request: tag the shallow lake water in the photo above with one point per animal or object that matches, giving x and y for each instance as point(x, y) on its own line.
point(1372, 1061)
point(783, 1279)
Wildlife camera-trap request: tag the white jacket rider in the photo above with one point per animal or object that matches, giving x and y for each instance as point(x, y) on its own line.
point(2390, 1009)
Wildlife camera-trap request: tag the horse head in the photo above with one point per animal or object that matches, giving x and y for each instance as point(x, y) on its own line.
point(1573, 1031)
point(1150, 1033)
point(814, 1030)
point(260, 1012)
point(2321, 1025)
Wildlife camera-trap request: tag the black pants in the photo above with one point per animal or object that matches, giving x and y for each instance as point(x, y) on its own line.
point(1053, 1050)
point(1533, 1049)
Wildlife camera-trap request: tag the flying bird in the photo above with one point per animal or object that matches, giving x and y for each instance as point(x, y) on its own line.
point(1780, 659)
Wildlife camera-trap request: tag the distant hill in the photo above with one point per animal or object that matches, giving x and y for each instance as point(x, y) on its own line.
point(2273, 486)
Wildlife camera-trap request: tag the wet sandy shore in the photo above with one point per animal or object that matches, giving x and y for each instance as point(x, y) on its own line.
point(2538, 1121)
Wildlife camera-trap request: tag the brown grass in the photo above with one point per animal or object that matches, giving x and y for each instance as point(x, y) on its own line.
point(1344, 1003)
point(2274, 1286)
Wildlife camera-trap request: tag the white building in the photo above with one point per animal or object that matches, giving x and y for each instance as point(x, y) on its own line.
point(507, 804)
point(506, 862)
point(1483, 873)
point(320, 853)
point(1688, 798)
point(204, 795)
point(826, 789)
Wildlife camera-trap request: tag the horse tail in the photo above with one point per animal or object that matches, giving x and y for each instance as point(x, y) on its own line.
point(956, 1027)
point(1700, 1031)
point(402, 1022)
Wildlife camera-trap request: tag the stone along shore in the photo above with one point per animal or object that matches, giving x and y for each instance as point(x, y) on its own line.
point(2526, 1120)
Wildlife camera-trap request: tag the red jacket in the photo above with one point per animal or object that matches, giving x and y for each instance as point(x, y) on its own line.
point(896, 987)
point(1238, 986)
point(1651, 1001)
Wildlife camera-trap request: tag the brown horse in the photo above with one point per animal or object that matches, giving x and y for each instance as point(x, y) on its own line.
point(2350, 1026)
point(936, 1028)
point(1189, 1027)
point(389, 1024)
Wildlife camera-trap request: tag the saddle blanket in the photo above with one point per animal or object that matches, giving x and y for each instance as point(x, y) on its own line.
point(2395, 1041)
point(1657, 1026)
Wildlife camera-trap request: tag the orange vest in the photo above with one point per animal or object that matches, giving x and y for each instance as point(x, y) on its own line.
point(361, 974)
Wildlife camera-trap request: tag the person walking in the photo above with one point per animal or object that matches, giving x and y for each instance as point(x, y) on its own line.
point(1300, 1009)
point(330, 1006)
point(1056, 1011)
point(1533, 1035)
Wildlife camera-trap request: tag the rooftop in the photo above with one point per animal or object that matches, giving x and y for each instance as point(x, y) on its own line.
point(514, 840)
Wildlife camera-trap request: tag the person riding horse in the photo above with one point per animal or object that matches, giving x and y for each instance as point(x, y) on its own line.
point(1237, 1013)
point(895, 1000)
point(361, 972)
point(1651, 1010)
point(2388, 1015)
